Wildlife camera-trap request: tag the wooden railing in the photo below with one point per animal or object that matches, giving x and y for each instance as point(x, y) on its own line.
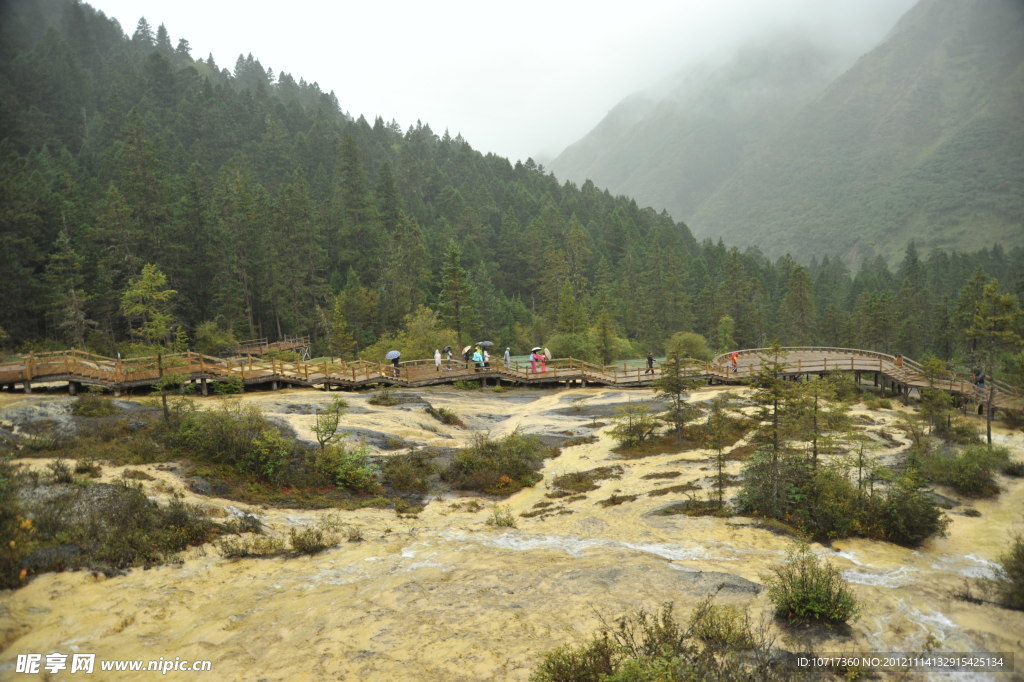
point(80, 367)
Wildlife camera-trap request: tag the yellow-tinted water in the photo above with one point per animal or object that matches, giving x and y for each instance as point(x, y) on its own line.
point(445, 596)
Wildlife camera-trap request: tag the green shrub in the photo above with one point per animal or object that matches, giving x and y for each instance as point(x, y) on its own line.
point(60, 471)
point(497, 466)
point(722, 626)
point(806, 589)
point(718, 644)
point(769, 481)
point(445, 416)
point(906, 514)
point(229, 385)
point(1008, 584)
point(383, 397)
point(633, 425)
point(501, 517)
point(16, 529)
point(259, 546)
point(234, 434)
point(113, 526)
point(267, 457)
point(1015, 469)
point(346, 467)
point(311, 540)
point(970, 472)
point(594, 661)
point(584, 481)
point(89, 467)
point(408, 473)
point(93, 404)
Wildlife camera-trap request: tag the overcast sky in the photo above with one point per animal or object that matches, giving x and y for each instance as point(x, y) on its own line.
point(518, 79)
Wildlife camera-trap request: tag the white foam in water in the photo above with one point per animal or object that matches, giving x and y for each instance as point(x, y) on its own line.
point(577, 546)
point(895, 578)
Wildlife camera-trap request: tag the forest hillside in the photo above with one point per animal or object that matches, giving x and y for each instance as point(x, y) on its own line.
point(154, 199)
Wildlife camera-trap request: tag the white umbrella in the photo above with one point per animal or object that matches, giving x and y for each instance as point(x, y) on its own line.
point(392, 354)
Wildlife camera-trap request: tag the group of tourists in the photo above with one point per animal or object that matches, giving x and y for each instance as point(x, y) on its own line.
point(479, 357)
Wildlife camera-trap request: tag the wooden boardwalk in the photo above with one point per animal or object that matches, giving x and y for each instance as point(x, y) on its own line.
point(78, 368)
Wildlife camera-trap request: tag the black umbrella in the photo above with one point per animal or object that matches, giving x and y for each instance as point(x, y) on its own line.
point(392, 354)
point(535, 349)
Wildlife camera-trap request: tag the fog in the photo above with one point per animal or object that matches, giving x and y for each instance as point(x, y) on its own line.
point(517, 80)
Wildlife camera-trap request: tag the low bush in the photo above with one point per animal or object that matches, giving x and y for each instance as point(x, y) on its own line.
point(634, 424)
point(347, 467)
point(1015, 469)
point(60, 471)
point(499, 467)
point(445, 416)
point(826, 505)
point(311, 540)
point(718, 643)
point(1008, 584)
point(970, 471)
point(248, 547)
point(111, 526)
point(89, 467)
point(584, 481)
point(234, 434)
point(384, 397)
point(229, 385)
point(501, 517)
point(408, 473)
point(806, 589)
point(905, 513)
point(93, 404)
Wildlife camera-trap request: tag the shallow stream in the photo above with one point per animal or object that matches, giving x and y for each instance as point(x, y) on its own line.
point(445, 596)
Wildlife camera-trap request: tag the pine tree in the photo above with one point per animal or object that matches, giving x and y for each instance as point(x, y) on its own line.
point(67, 281)
point(995, 328)
point(456, 301)
point(147, 303)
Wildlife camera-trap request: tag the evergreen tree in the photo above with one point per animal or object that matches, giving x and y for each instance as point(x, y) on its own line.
point(995, 328)
point(456, 301)
point(147, 303)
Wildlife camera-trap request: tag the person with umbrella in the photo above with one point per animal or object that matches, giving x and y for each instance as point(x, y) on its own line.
point(482, 346)
point(447, 350)
point(533, 359)
point(393, 356)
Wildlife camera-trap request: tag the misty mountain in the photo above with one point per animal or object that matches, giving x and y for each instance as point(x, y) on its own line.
point(673, 149)
point(918, 140)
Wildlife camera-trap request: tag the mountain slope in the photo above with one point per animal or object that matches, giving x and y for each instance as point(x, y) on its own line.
point(674, 150)
point(920, 140)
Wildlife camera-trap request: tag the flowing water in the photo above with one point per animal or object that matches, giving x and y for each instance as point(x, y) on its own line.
point(445, 596)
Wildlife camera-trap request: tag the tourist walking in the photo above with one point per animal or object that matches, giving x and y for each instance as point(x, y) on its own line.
point(437, 360)
point(650, 364)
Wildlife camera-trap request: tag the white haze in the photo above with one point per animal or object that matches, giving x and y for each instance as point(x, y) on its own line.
point(517, 79)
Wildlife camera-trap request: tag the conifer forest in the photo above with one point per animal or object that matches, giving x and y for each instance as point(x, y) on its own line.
point(152, 198)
